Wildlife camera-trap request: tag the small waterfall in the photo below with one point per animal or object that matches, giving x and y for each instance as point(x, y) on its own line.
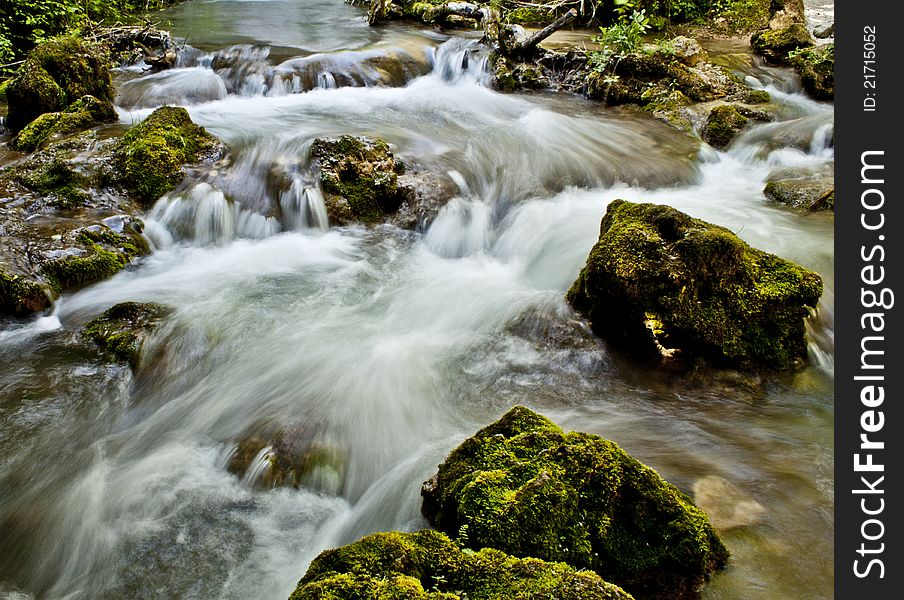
point(302, 207)
point(462, 60)
point(823, 141)
point(259, 467)
point(204, 216)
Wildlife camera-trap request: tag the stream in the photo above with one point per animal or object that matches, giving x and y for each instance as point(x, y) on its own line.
point(389, 346)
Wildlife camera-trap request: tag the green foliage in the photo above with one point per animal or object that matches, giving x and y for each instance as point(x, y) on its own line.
point(26, 23)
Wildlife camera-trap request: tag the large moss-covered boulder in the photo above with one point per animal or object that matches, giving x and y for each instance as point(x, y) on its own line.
point(56, 74)
point(85, 112)
point(776, 44)
point(723, 125)
point(816, 68)
point(660, 280)
point(151, 155)
point(358, 177)
point(120, 331)
point(427, 564)
point(523, 486)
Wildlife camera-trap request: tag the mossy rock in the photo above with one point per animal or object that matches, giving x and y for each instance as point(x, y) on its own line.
point(292, 458)
point(122, 329)
point(56, 74)
point(358, 176)
point(428, 565)
point(722, 125)
point(816, 68)
point(659, 279)
point(85, 112)
point(20, 295)
point(776, 44)
point(151, 155)
point(103, 253)
point(56, 179)
point(525, 487)
point(741, 16)
point(757, 97)
point(817, 193)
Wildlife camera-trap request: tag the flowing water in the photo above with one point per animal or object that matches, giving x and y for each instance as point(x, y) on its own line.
point(388, 347)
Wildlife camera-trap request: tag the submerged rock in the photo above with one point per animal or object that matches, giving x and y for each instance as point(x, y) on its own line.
point(150, 157)
point(55, 75)
point(290, 457)
point(726, 505)
point(523, 486)
point(85, 112)
point(122, 329)
point(359, 178)
point(427, 564)
point(661, 281)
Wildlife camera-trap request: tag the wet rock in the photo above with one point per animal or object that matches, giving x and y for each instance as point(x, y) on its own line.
point(85, 112)
point(726, 505)
point(776, 44)
point(56, 74)
point(358, 177)
point(122, 329)
point(808, 191)
point(290, 457)
point(46, 256)
point(151, 156)
point(662, 283)
point(825, 32)
point(687, 51)
point(424, 194)
point(723, 125)
point(523, 486)
point(816, 68)
point(427, 564)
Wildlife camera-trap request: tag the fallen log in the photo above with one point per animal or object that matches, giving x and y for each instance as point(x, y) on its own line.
point(512, 42)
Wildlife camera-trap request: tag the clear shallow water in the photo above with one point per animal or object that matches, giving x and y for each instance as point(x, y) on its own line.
point(390, 347)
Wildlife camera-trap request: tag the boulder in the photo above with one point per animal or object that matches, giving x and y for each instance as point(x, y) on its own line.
point(120, 331)
point(816, 68)
point(427, 564)
point(150, 157)
point(525, 487)
point(56, 74)
point(811, 193)
point(723, 125)
point(85, 112)
point(659, 282)
point(358, 177)
point(290, 457)
point(776, 44)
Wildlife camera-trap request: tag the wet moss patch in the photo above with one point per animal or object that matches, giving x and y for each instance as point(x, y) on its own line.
point(428, 565)
point(85, 112)
point(121, 330)
point(151, 155)
point(523, 486)
point(714, 296)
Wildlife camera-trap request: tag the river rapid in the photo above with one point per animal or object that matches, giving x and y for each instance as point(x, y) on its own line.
point(390, 346)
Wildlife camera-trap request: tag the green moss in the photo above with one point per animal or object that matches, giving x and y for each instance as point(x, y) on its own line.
point(757, 97)
point(722, 125)
point(360, 173)
point(740, 16)
point(151, 155)
point(427, 564)
point(55, 179)
point(716, 296)
point(120, 331)
point(3, 85)
point(105, 254)
point(525, 487)
point(816, 68)
point(82, 114)
point(777, 44)
point(526, 15)
point(21, 296)
point(56, 74)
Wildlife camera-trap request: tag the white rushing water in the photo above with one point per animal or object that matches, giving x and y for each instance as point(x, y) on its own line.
point(388, 347)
